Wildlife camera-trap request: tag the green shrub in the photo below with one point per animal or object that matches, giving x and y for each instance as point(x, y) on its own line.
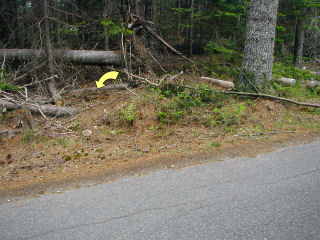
point(228, 115)
point(6, 82)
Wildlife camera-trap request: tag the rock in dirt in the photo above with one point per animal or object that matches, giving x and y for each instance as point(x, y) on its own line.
point(87, 133)
point(270, 107)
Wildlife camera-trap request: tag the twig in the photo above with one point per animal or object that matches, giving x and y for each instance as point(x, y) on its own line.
point(174, 77)
point(170, 47)
point(157, 62)
point(243, 75)
point(194, 65)
point(22, 76)
point(161, 80)
point(272, 98)
point(261, 95)
point(126, 87)
point(141, 78)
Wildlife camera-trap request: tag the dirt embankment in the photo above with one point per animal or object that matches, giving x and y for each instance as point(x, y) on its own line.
point(101, 144)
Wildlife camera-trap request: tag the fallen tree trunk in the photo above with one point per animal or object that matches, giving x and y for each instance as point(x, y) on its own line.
point(224, 84)
point(95, 89)
point(88, 57)
point(45, 109)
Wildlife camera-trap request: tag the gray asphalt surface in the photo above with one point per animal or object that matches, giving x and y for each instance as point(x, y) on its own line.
point(273, 196)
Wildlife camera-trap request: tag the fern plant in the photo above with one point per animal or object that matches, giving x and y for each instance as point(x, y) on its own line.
point(130, 113)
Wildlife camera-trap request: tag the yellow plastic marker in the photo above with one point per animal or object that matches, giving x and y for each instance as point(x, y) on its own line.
point(109, 75)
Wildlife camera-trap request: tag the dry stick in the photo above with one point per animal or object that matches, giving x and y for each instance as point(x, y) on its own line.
point(124, 58)
point(175, 76)
point(170, 47)
point(30, 84)
point(161, 80)
point(260, 95)
point(22, 76)
point(126, 87)
point(273, 98)
point(243, 75)
point(141, 78)
point(157, 62)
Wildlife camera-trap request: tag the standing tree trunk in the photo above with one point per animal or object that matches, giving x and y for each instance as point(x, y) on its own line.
point(191, 29)
point(146, 9)
point(179, 20)
point(105, 29)
point(154, 11)
point(136, 6)
point(51, 84)
point(259, 44)
point(299, 40)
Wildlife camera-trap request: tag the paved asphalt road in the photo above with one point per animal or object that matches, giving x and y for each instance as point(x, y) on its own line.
point(273, 196)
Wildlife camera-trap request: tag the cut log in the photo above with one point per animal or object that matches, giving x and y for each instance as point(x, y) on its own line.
point(88, 57)
point(221, 83)
point(45, 109)
point(313, 84)
point(287, 81)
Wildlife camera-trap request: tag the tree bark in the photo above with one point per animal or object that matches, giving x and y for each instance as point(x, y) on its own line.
point(191, 29)
point(259, 44)
point(105, 29)
point(88, 57)
point(299, 41)
point(136, 6)
point(179, 20)
point(154, 10)
point(51, 83)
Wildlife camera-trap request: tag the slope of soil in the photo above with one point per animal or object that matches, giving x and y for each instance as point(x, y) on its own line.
point(62, 153)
